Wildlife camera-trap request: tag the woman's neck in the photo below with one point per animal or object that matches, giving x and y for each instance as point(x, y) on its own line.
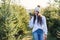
point(40, 15)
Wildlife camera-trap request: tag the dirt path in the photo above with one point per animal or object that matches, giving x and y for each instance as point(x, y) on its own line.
point(28, 37)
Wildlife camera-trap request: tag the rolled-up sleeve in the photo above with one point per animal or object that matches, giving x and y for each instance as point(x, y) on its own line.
point(45, 26)
point(31, 23)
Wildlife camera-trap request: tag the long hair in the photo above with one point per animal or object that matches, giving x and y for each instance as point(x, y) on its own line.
point(39, 19)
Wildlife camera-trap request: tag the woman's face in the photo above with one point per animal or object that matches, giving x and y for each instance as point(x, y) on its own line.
point(35, 12)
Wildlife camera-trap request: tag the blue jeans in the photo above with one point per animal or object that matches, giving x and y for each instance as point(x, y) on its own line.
point(38, 35)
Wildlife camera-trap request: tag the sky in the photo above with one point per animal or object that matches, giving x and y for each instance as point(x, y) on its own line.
point(31, 4)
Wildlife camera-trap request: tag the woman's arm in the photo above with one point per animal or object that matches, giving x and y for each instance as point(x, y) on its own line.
point(31, 23)
point(45, 28)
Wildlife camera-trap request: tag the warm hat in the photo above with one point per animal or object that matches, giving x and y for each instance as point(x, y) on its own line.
point(37, 8)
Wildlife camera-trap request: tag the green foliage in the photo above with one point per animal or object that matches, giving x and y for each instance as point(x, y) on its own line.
point(53, 20)
point(13, 21)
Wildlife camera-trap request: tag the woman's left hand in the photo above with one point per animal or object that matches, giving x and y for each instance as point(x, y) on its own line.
point(45, 37)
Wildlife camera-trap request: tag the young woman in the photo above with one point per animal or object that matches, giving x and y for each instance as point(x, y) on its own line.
point(38, 23)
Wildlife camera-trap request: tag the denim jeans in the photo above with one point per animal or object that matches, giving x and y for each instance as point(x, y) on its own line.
point(38, 35)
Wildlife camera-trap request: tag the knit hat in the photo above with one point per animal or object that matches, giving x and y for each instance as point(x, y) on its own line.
point(37, 8)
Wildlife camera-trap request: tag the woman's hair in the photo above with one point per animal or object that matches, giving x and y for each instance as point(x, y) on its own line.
point(39, 19)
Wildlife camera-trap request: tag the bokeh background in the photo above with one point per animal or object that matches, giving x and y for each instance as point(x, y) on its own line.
point(14, 18)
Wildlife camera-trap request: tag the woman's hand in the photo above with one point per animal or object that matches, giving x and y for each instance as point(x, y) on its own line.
point(45, 37)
